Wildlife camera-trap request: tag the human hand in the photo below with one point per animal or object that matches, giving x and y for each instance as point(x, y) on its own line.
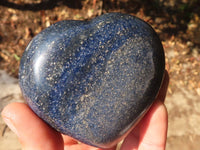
point(34, 134)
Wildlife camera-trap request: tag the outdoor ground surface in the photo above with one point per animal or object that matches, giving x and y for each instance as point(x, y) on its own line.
point(177, 22)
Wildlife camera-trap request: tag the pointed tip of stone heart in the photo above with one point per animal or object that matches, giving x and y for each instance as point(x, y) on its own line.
point(93, 80)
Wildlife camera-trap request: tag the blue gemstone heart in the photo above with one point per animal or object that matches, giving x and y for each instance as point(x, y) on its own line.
point(93, 80)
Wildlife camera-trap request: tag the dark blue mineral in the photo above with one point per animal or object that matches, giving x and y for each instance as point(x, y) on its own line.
point(93, 80)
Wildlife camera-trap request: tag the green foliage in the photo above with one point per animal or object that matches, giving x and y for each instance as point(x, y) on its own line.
point(16, 57)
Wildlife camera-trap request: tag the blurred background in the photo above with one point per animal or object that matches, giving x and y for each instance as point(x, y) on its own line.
point(177, 23)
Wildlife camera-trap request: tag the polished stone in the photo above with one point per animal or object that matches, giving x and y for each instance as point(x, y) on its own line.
point(93, 80)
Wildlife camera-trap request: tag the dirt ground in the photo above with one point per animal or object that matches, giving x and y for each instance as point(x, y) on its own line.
point(176, 22)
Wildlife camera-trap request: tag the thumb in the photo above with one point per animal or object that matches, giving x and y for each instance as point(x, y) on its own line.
point(32, 132)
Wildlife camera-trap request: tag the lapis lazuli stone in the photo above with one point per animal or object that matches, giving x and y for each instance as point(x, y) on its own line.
point(93, 80)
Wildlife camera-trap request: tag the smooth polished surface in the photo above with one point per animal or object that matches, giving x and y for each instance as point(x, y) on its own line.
point(94, 79)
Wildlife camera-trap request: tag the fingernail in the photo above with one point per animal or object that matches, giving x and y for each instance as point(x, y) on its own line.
point(10, 124)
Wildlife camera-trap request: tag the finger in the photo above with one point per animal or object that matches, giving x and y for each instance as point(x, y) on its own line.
point(33, 133)
point(69, 140)
point(80, 146)
point(132, 140)
point(83, 146)
point(72, 144)
point(152, 130)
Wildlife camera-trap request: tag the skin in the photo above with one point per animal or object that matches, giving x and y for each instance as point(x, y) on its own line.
point(34, 134)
